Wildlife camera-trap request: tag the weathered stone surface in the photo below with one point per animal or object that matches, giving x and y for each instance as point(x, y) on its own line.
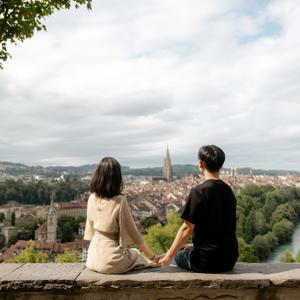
point(74, 281)
point(41, 276)
point(45, 271)
point(289, 278)
point(5, 269)
point(172, 277)
point(264, 268)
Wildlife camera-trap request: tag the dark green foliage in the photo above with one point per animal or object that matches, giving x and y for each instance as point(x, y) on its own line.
point(260, 222)
point(271, 240)
point(149, 221)
point(249, 231)
point(27, 226)
point(283, 230)
point(284, 211)
point(12, 240)
point(261, 247)
point(2, 241)
point(19, 19)
point(254, 191)
point(246, 252)
point(25, 235)
point(287, 257)
point(2, 217)
point(39, 193)
point(67, 232)
point(68, 226)
point(160, 238)
point(266, 218)
point(13, 219)
point(68, 219)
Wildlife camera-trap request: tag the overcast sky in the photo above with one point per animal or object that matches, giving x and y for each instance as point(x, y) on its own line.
point(130, 77)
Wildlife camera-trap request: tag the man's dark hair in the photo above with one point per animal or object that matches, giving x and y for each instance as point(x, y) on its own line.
point(107, 180)
point(213, 157)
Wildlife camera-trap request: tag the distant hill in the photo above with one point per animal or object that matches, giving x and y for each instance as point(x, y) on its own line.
point(16, 169)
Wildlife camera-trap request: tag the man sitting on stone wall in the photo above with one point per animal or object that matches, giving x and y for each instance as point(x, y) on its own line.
point(210, 215)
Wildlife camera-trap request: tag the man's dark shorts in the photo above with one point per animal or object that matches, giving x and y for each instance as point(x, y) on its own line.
point(205, 265)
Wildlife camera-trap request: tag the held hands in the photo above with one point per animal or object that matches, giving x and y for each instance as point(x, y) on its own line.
point(165, 261)
point(157, 258)
point(187, 246)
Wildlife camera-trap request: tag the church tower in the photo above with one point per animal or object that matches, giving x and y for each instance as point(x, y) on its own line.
point(51, 223)
point(168, 170)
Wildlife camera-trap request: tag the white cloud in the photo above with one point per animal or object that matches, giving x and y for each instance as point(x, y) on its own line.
point(129, 77)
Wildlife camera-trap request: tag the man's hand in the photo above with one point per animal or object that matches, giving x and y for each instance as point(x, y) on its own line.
point(165, 261)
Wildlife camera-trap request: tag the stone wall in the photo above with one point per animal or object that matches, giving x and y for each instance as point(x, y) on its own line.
point(74, 281)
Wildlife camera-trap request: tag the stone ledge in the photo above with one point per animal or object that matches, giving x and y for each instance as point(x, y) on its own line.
point(67, 278)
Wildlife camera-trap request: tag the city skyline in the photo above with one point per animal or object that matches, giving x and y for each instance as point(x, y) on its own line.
point(126, 79)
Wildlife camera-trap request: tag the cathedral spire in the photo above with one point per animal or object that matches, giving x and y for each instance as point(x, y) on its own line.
point(51, 209)
point(168, 170)
point(52, 222)
point(168, 153)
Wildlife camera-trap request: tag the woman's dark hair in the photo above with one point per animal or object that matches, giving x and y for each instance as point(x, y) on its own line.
point(213, 157)
point(107, 180)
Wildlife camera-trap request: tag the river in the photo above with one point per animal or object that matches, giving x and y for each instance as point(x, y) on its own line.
point(293, 246)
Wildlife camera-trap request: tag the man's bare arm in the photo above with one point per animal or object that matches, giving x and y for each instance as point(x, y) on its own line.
point(180, 240)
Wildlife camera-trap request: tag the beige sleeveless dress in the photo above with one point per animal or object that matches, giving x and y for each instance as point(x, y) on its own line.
point(111, 228)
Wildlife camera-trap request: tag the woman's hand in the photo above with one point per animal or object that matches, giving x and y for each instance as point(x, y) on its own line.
point(156, 258)
point(187, 246)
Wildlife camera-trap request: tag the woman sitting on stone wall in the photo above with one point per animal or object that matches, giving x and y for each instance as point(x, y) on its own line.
point(110, 226)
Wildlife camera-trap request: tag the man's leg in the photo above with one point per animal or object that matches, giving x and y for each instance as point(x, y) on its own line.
point(182, 258)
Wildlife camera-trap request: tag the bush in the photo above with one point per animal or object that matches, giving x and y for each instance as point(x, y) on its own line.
point(283, 230)
point(287, 257)
point(246, 252)
point(160, 238)
point(261, 247)
point(68, 257)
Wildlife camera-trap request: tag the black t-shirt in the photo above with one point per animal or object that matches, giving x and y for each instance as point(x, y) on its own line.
point(211, 206)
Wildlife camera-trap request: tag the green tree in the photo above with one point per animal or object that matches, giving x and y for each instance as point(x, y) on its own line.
point(68, 257)
point(160, 238)
point(12, 194)
point(240, 226)
point(261, 247)
point(13, 219)
point(250, 232)
point(149, 221)
point(2, 241)
point(254, 190)
point(31, 255)
point(260, 222)
point(298, 257)
point(19, 19)
point(284, 211)
point(271, 240)
point(246, 252)
point(2, 217)
point(67, 233)
point(287, 257)
point(283, 230)
point(12, 240)
point(80, 219)
point(74, 222)
point(245, 202)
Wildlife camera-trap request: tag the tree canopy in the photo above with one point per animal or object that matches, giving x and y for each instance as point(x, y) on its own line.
point(19, 19)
